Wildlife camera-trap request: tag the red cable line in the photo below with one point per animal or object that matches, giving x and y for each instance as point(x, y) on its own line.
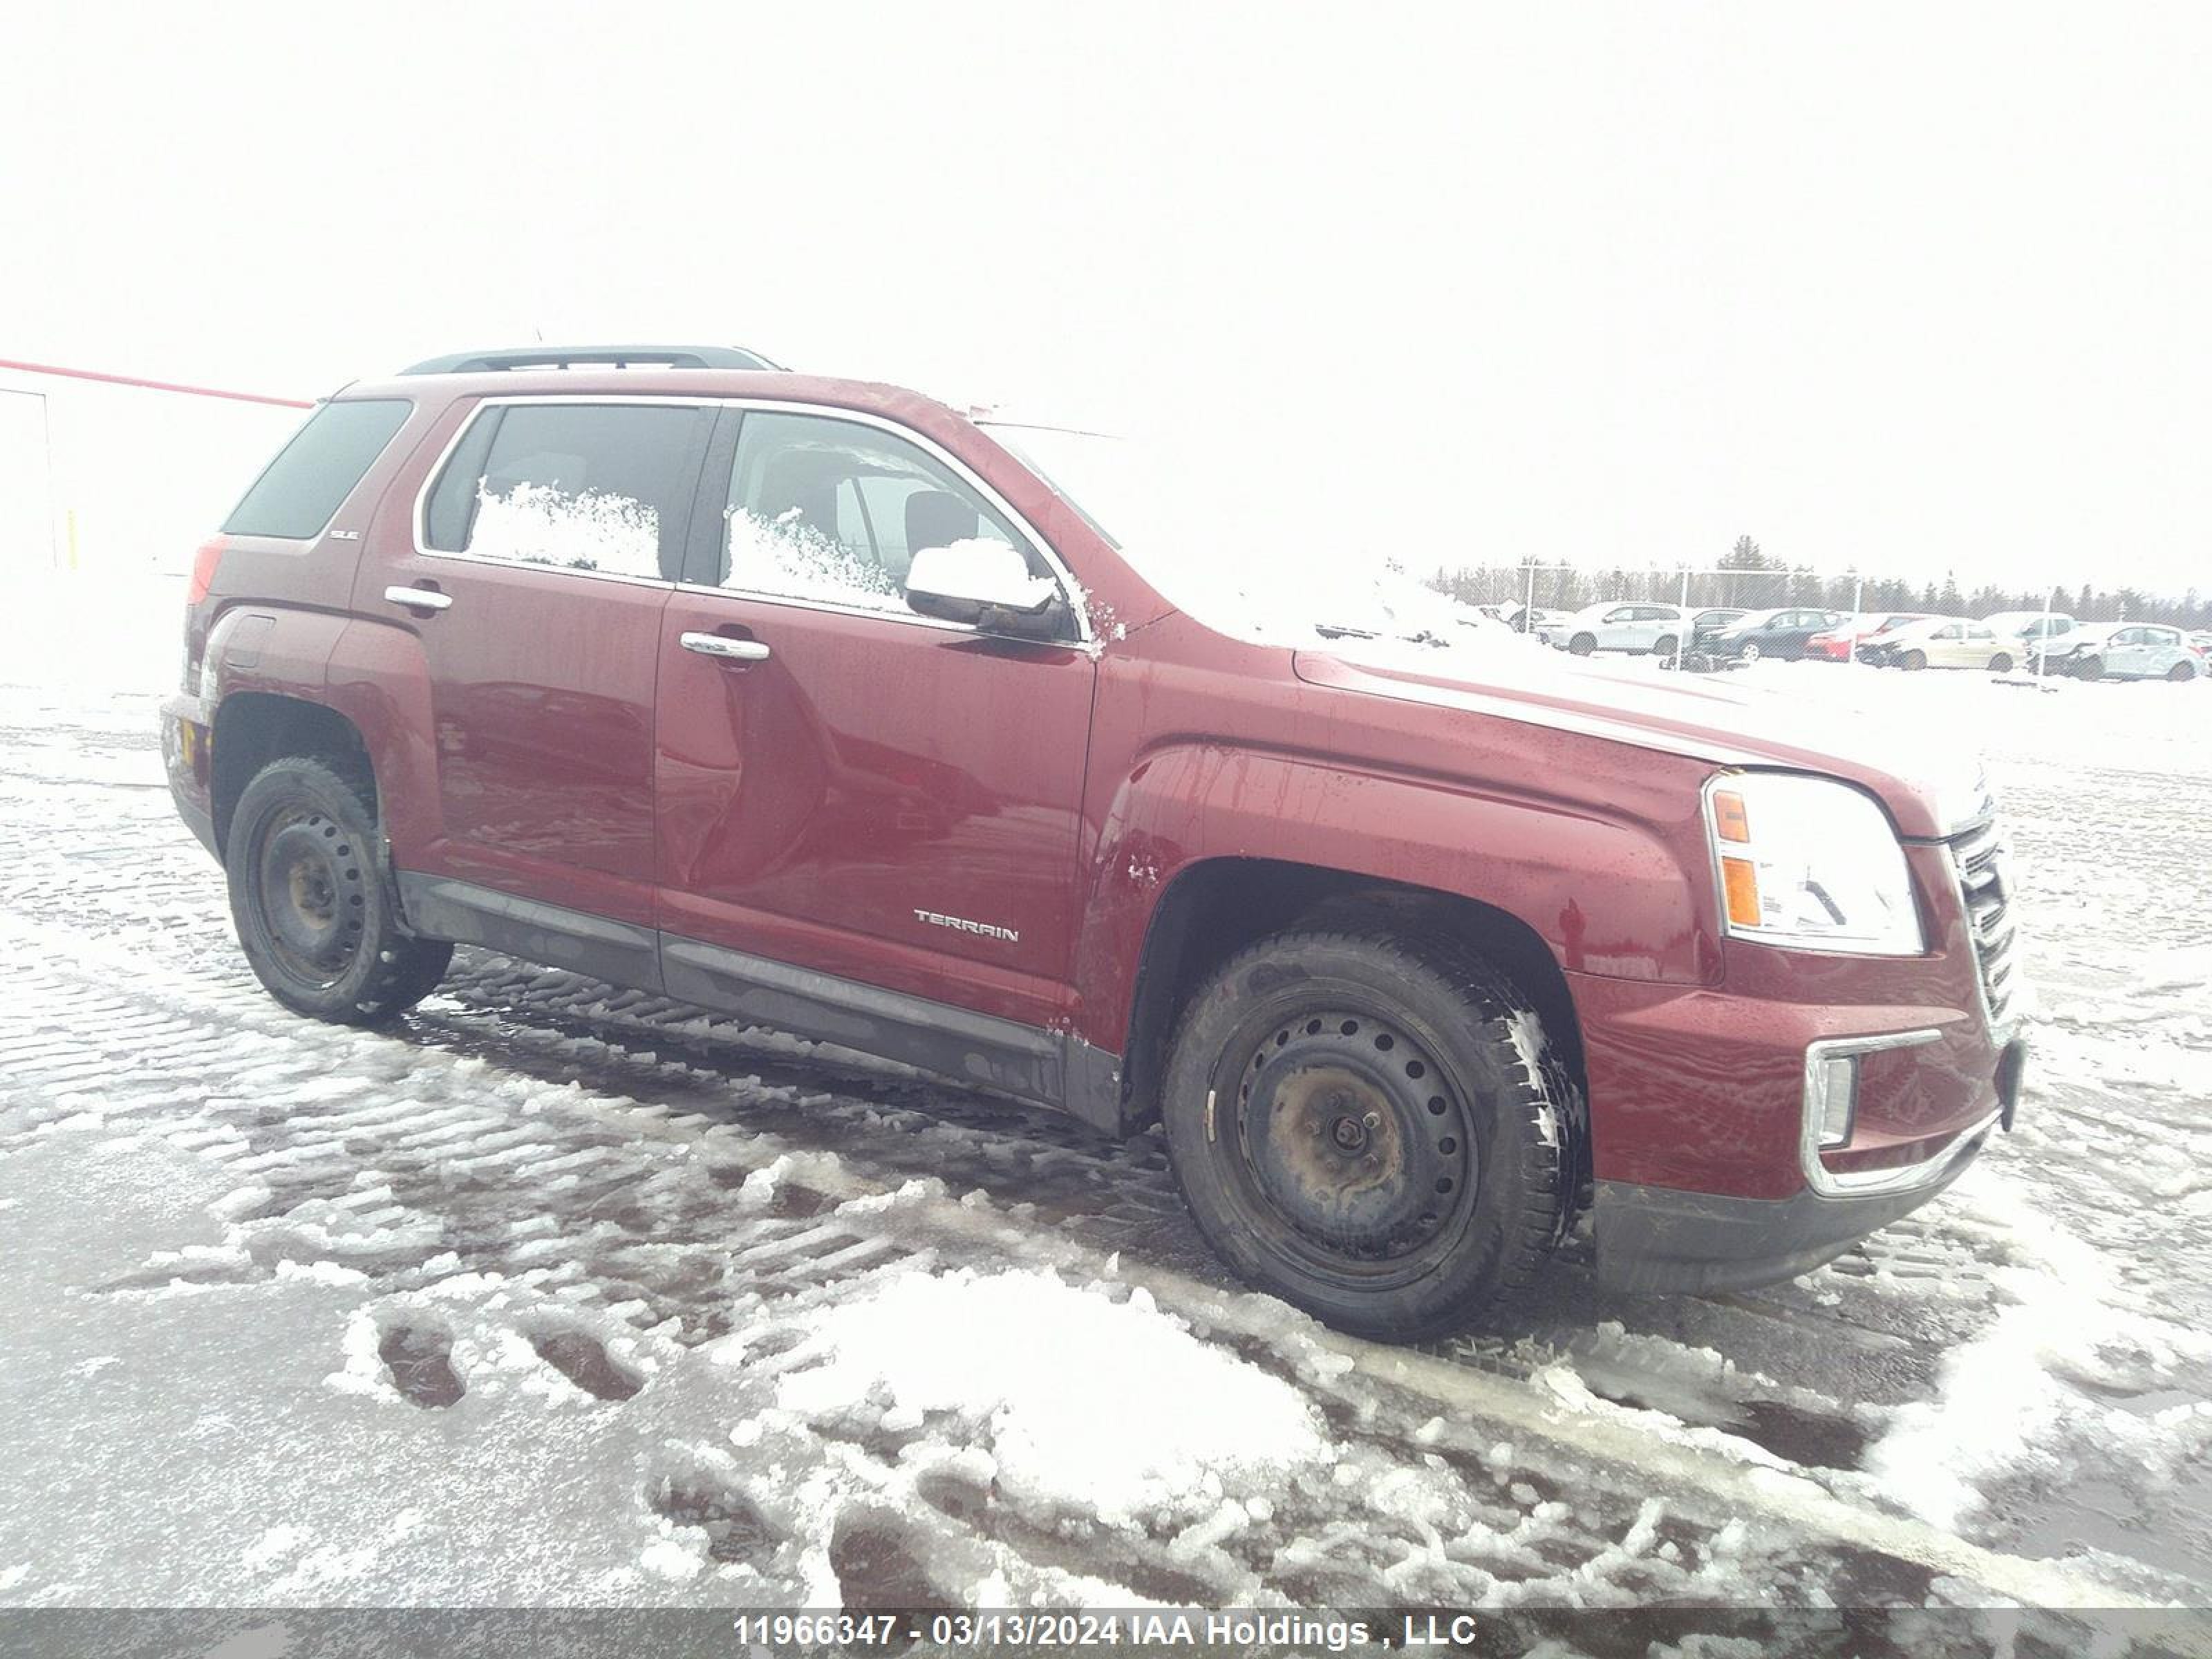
point(156, 385)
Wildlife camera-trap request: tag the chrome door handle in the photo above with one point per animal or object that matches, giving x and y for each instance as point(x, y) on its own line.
point(722, 646)
point(422, 598)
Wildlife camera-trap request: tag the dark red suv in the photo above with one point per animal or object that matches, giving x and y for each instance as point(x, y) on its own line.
point(813, 702)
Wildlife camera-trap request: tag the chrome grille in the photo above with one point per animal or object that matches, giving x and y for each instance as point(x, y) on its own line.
point(1984, 865)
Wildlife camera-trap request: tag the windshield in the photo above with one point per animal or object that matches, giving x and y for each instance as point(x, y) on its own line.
point(1244, 556)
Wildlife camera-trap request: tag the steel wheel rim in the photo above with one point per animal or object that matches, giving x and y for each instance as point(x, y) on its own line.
point(308, 895)
point(1350, 1150)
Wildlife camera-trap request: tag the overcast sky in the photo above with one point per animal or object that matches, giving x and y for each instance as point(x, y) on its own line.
point(1912, 287)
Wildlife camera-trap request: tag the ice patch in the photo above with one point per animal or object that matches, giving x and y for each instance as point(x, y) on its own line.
point(1054, 1393)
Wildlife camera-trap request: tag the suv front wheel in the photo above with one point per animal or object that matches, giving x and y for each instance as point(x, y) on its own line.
point(313, 910)
point(1370, 1130)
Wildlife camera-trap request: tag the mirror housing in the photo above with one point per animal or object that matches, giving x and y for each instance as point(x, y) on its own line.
point(986, 584)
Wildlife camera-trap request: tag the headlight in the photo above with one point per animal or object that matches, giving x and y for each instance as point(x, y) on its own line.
point(1809, 864)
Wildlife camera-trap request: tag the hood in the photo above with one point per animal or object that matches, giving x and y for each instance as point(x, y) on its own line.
point(1933, 786)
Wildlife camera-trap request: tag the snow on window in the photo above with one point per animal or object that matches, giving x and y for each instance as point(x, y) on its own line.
point(579, 529)
point(786, 555)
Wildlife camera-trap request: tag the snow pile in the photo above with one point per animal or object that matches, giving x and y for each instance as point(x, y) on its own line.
point(976, 567)
point(1109, 1408)
point(2005, 1400)
point(578, 530)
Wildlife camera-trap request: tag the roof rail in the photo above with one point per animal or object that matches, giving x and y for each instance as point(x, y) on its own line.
point(617, 356)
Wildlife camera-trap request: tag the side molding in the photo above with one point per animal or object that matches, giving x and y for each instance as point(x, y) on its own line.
point(1054, 1069)
point(441, 907)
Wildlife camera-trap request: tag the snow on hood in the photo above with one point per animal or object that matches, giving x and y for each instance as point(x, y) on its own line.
point(1249, 556)
point(1931, 777)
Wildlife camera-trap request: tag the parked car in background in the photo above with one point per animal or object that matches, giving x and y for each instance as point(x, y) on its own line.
point(1627, 626)
point(2032, 625)
point(2202, 644)
point(1841, 642)
point(1875, 648)
point(1946, 642)
point(1783, 633)
point(1706, 625)
point(2121, 651)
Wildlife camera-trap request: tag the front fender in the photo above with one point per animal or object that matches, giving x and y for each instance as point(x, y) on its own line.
point(1609, 896)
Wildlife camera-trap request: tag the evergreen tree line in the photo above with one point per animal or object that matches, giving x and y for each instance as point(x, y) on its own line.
point(1751, 579)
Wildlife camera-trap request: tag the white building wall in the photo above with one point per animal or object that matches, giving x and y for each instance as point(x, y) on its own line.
point(102, 477)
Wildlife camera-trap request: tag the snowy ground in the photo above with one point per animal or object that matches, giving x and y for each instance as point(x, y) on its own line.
point(561, 1295)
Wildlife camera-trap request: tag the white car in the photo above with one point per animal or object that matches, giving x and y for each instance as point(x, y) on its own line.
point(1626, 626)
point(1945, 642)
point(2127, 651)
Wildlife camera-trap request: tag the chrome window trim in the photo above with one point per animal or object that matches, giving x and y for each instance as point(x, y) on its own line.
point(1071, 590)
point(1824, 1182)
point(832, 607)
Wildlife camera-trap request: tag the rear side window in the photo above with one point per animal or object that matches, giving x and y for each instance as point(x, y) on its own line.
point(302, 491)
point(602, 487)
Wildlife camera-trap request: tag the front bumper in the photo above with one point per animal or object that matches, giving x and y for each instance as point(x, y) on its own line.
point(1662, 1238)
point(1710, 1106)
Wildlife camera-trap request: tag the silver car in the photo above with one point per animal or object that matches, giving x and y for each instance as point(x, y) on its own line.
point(2126, 651)
point(1628, 626)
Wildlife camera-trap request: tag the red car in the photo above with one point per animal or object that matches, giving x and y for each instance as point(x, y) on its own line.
point(813, 702)
point(1841, 642)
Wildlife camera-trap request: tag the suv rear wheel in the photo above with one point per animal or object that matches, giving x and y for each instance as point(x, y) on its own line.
point(1370, 1130)
point(312, 907)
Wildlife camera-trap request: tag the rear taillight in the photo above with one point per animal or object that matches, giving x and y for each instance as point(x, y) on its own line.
point(204, 564)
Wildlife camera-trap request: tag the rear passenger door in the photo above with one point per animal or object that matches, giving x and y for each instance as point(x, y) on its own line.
point(539, 557)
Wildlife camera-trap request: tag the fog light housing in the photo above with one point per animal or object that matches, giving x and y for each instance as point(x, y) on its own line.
point(1836, 1101)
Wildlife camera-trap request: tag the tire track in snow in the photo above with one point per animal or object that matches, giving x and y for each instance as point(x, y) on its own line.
point(798, 1260)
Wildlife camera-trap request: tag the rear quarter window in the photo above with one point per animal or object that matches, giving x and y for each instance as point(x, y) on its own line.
point(299, 492)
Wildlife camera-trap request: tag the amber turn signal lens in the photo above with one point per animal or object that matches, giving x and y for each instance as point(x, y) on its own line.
point(1730, 822)
point(1742, 880)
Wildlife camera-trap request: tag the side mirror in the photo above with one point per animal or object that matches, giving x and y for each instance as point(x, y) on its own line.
point(985, 583)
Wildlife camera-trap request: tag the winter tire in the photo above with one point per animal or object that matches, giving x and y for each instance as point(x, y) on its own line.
point(1582, 644)
point(2089, 668)
point(1914, 659)
point(1371, 1130)
point(2000, 664)
point(2179, 672)
point(1750, 652)
point(311, 899)
point(1666, 645)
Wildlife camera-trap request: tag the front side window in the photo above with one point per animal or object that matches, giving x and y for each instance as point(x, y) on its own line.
point(831, 510)
point(597, 487)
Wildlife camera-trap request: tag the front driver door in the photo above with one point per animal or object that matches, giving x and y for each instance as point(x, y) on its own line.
point(845, 786)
